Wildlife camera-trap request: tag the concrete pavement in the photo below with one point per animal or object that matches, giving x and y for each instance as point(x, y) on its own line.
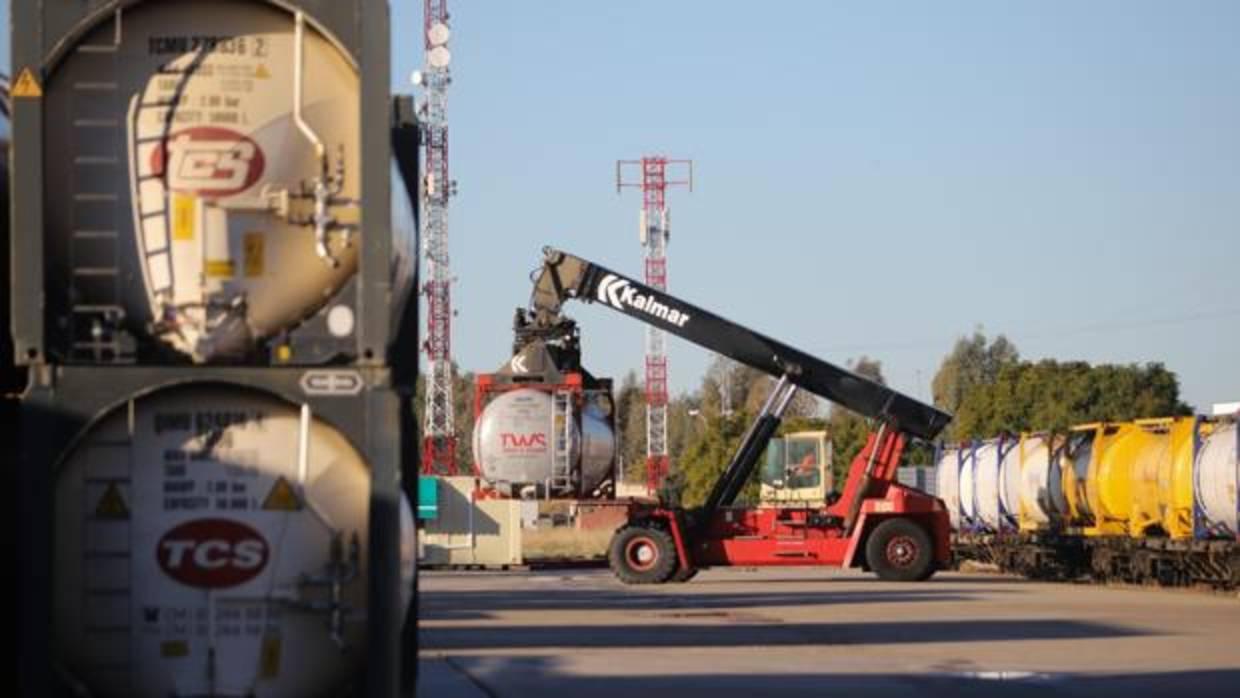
point(789, 631)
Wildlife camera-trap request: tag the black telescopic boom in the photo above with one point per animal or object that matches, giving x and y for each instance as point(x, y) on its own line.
point(565, 276)
point(734, 477)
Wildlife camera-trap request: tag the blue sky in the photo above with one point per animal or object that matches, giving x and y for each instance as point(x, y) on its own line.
point(872, 177)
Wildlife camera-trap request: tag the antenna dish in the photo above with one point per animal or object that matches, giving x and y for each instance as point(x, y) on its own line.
point(438, 34)
point(439, 57)
point(416, 78)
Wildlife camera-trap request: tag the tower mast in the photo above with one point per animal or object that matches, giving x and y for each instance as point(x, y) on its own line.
point(654, 232)
point(439, 444)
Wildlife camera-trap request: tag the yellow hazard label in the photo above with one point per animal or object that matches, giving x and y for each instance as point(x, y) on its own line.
point(183, 216)
point(27, 85)
point(282, 497)
point(112, 504)
point(219, 268)
point(174, 648)
point(252, 244)
point(261, 72)
point(269, 657)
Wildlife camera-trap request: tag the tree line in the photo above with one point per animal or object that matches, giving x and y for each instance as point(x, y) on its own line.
point(983, 382)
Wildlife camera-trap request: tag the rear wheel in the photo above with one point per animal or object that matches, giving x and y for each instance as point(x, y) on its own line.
point(642, 555)
point(899, 550)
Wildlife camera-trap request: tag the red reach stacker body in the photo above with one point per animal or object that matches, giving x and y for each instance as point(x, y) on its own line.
point(875, 523)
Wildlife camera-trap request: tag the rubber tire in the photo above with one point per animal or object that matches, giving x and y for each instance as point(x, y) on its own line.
point(660, 571)
point(922, 565)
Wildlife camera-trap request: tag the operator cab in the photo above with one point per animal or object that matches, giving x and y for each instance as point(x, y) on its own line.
point(796, 471)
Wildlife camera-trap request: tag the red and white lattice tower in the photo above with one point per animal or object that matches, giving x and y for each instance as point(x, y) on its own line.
point(439, 437)
point(655, 231)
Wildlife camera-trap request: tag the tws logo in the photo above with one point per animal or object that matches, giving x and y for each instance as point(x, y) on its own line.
point(617, 292)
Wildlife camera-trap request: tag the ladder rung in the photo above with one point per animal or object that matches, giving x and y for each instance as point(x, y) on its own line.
point(94, 86)
point(97, 48)
point(96, 271)
point(93, 234)
point(125, 443)
point(96, 160)
point(110, 666)
point(94, 196)
point(95, 123)
point(106, 555)
point(107, 628)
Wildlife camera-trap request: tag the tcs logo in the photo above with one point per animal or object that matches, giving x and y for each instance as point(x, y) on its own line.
point(212, 553)
point(208, 161)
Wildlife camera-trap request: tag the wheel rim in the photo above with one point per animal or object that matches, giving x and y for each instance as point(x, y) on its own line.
point(641, 553)
point(902, 551)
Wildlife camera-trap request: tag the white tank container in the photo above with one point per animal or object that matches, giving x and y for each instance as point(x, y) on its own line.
point(195, 528)
point(968, 488)
point(1077, 456)
point(1217, 475)
point(241, 201)
point(948, 483)
point(1009, 484)
point(1041, 484)
point(514, 443)
point(986, 484)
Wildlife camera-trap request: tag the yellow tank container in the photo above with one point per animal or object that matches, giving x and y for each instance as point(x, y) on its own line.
point(1112, 482)
point(1150, 456)
point(1175, 478)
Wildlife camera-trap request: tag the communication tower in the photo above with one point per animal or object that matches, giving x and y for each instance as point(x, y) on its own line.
point(652, 177)
point(439, 444)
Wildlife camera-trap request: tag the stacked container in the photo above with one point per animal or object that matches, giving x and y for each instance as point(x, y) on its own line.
point(213, 278)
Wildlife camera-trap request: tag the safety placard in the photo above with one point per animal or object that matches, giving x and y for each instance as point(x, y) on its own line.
point(282, 497)
point(112, 504)
point(27, 85)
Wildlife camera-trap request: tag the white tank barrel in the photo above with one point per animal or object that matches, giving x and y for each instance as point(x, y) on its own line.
point(986, 484)
point(199, 541)
point(519, 442)
point(948, 482)
point(968, 488)
point(1217, 475)
point(221, 142)
point(1041, 485)
point(1009, 483)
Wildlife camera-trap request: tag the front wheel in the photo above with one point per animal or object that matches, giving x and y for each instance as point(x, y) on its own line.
point(899, 550)
point(642, 555)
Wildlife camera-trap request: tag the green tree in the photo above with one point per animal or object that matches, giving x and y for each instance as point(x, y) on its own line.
point(1050, 395)
point(848, 429)
point(631, 428)
point(706, 455)
point(974, 361)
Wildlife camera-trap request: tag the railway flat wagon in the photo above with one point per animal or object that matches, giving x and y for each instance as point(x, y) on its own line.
point(1151, 500)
